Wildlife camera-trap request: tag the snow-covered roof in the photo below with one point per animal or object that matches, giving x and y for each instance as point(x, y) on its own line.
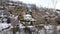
point(27, 15)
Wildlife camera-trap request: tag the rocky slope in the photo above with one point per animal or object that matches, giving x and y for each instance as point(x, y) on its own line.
point(42, 15)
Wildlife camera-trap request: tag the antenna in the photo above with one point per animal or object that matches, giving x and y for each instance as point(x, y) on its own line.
point(54, 2)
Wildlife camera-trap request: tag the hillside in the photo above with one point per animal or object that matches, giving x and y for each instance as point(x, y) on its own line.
point(42, 15)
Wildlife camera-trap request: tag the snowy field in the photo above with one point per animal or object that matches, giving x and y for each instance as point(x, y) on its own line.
point(48, 29)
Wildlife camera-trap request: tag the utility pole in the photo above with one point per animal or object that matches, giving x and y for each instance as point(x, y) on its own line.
point(54, 2)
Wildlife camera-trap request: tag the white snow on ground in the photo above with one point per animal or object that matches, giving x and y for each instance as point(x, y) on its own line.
point(41, 31)
point(48, 26)
point(30, 26)
point(4, 25)
point(58, 27)
point(47, 13)
point(51, 27)
point(21, 26)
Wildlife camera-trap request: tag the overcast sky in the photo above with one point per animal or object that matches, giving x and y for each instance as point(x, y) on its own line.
point(44, 3)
